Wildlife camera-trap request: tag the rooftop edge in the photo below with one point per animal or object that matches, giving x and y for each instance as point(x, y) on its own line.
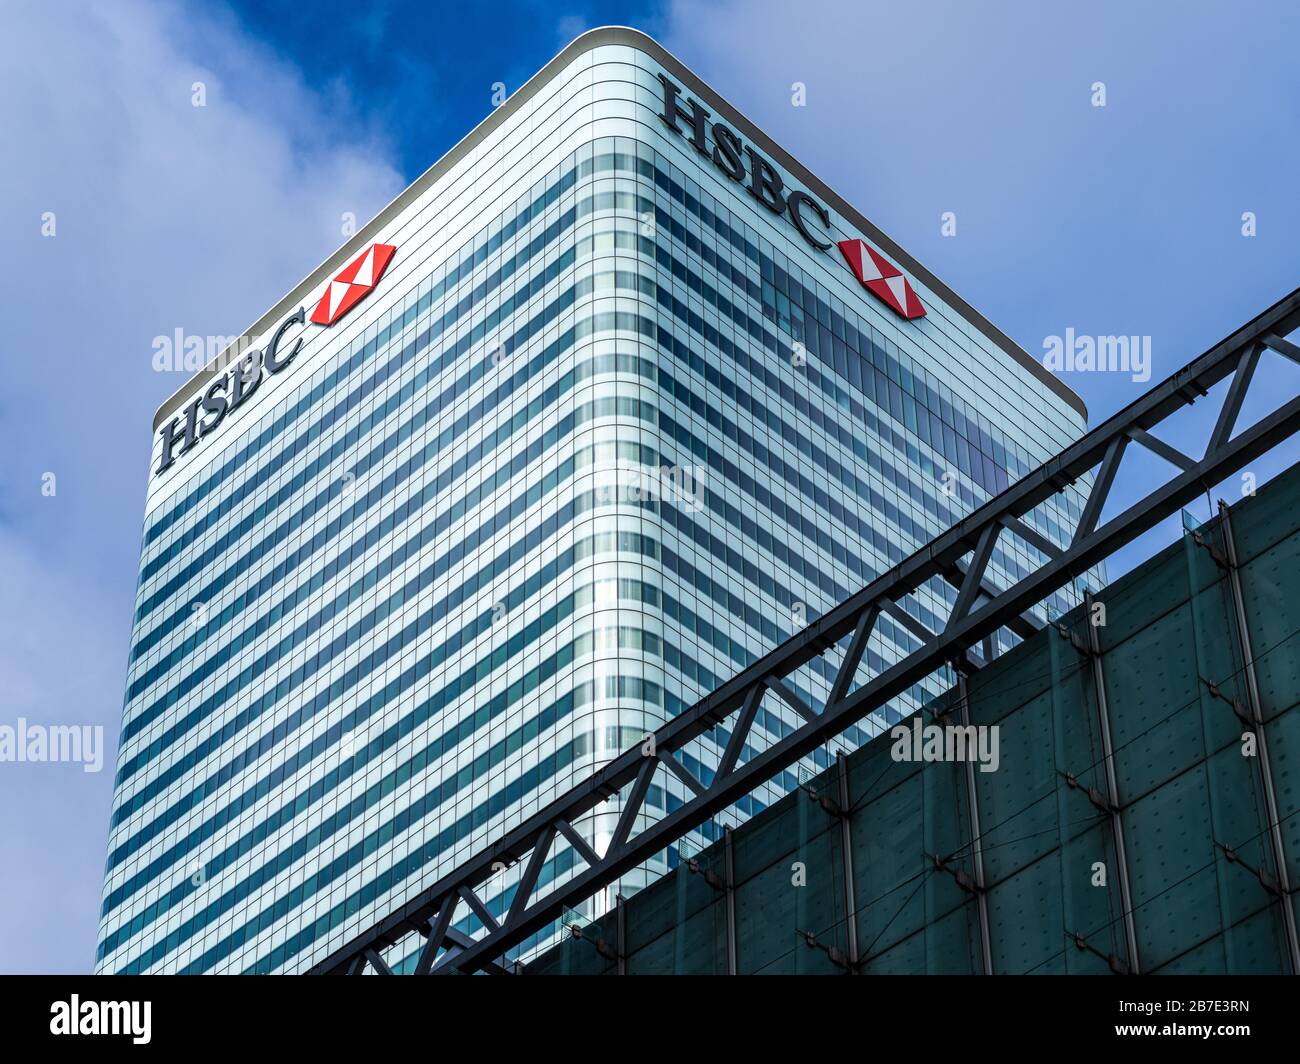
point(585, 42)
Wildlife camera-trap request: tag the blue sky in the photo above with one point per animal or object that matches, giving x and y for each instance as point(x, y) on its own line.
point(1117, 220)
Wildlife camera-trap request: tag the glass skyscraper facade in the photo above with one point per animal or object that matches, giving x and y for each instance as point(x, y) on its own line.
point(606, 429)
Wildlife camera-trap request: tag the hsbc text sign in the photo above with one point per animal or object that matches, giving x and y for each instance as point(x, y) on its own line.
point(744, 164)
point(229, 390)
point(741, 162)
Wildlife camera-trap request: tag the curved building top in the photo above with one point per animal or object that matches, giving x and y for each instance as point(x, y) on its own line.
point(310, 289)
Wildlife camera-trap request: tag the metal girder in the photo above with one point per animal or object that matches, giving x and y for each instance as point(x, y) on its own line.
point(971, 621)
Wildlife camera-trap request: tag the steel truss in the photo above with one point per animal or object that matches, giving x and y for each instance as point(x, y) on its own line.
point(961, 556)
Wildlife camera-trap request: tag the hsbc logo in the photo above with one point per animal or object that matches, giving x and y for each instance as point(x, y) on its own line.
point(352, 284)
point(881, 278)
point(742, 163)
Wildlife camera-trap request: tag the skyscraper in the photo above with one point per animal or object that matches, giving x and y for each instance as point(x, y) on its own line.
point(612, 399)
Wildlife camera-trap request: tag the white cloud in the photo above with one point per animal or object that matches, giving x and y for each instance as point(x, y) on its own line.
point(168, 216)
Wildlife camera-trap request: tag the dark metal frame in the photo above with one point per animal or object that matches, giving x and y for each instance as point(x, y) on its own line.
point(1092, 648)
point(960, 555)
point(1264, 761)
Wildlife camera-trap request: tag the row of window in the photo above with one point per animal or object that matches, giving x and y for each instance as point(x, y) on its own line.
point(856, 337)
point(793, 517)
point(632, 639)
point(944, 516)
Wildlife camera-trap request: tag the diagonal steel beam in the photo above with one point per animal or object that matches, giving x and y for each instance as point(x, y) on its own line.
point(1023, 626)
point(467, 891)
point(632, 807)
point(683, 773)
point(577, 842)
point(1114, 454)
point(437, 937)
point(1158, 446)
point(1031, 536)
point(377, 962)
point(524, 889)
point(970, 586)
point(1231, 408)
point(853, 655)
point(790, 698)
point(740, 731)
point(1283, 347)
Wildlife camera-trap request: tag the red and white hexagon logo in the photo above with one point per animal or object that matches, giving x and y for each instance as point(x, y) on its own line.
point(356, 281)
point(881, 278)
